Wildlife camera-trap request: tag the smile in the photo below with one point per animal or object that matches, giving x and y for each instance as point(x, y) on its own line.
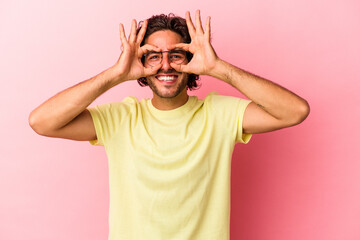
point(166, 78)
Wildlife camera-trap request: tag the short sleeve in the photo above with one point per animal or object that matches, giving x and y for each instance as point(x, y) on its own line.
point(230, 113)
point(98, 119)
point(241, 136)
point(108, 118)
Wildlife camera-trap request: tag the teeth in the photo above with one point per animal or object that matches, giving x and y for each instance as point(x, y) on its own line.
point(167, 78)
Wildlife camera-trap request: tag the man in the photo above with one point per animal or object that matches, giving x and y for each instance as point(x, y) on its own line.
point(169, 156)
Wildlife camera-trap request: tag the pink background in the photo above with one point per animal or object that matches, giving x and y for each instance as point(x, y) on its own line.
point(294, 184)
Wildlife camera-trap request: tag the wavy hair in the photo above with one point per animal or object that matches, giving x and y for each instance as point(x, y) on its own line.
point(177, 25)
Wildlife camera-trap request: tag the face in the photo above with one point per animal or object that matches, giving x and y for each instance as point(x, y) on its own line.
point(167, 83)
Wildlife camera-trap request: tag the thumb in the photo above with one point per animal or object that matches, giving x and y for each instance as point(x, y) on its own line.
point(180, 68)
point(151, 70)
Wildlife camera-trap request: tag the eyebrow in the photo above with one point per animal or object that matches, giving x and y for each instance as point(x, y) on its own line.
point(172, 50)
point(177, 49)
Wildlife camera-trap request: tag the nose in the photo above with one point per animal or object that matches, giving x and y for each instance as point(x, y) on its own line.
point(165, 62)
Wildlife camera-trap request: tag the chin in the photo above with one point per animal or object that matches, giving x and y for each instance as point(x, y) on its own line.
point(167, 91)
point(167, 94)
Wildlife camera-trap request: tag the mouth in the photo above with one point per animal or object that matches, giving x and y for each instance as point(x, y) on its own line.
point(167, 79)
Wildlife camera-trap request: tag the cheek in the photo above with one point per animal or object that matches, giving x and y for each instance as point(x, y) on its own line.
point(149, 78)
point(185, 77)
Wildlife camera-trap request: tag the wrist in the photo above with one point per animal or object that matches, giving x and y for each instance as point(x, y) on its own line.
point(221, 70)
point(114, 76)
point(107, 79)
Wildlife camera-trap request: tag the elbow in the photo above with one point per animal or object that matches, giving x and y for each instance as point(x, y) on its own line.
point(33, 122)
point(36, 124)
point(301, 112)
point(304, 111)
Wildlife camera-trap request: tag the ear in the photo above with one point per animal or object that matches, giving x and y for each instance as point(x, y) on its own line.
point(143, 81)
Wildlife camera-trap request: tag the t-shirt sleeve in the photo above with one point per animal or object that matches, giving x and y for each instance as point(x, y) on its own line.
point(108, 117)
point(230, 113)
point(98, 115)
point(241, 136)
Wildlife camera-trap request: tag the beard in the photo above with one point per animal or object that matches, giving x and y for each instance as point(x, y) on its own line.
point(171, 93)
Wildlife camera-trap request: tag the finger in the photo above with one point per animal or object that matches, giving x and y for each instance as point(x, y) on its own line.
point(182, 46)
point(176, 67)
point(199, 27)
point(208, 28)
point(148, 47)
point(122, 35)
point(190, 24)
point(142, 32)
point(180, 68)
point(148, 71)
point(132, 36)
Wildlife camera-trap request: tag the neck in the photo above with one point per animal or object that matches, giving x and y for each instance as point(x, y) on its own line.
point(169, 103)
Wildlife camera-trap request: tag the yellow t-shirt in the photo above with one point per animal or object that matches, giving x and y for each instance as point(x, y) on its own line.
point(169, 171)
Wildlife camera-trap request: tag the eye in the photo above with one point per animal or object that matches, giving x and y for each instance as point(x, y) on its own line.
point(177, 55)
point(153, 56)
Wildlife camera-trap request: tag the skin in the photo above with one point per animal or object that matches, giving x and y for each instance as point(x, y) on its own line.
point(167, 95)
point(273, 107)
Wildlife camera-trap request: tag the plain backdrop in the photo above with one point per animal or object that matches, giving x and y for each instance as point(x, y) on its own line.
point(293, 184)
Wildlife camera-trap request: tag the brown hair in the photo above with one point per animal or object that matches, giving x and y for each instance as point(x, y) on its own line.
point(177, 25)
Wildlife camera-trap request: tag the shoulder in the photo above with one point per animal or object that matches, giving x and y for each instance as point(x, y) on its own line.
point(220, 101)
point(127, 102)
point(115, 109)
point(228, 110)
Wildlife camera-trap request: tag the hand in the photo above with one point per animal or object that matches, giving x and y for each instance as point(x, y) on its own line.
point(129, 65)
point(204, 57)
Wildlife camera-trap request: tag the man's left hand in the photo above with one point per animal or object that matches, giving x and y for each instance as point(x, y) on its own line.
point(204, 57)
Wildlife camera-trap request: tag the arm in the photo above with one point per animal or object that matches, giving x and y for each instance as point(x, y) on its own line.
point(273, 106)
point(65, 114)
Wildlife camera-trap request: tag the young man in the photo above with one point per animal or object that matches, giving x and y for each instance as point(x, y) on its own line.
point(169, 156)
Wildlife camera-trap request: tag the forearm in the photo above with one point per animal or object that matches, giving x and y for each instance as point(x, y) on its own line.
point(277, 101)
point(62, 108)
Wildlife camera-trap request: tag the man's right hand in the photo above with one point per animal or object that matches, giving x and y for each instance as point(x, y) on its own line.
point(65, 114)
point(129, 65)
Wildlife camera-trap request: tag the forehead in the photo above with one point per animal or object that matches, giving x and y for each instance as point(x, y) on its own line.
point(164, 39)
